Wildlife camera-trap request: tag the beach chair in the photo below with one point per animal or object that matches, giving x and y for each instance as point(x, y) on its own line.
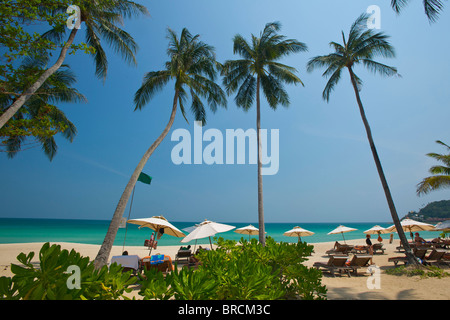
point(358, 262)
point(436, 256)
point(418, 253)
point(378, 247)
point(335, 263)
point(128, 263)
point(182, 253)
point(360, 249)
point(157, 261)
point(340, 249)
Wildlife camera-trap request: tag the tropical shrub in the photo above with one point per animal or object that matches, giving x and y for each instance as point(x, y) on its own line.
point(244, 271)
point(52, 279)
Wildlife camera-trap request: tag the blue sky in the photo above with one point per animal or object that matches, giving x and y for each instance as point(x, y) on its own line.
point(326, 172)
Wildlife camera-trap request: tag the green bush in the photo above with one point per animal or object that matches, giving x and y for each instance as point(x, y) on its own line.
point(50, 280)
point(244, 271)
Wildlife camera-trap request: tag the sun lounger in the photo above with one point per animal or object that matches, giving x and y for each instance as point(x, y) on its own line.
point(418, 253)
point(128, 262)
point(341, 249)
point(183, 254)
point(436, 256)
point(358, 262)
point(360, 249)
point(161, 262)
point(378, 247)
point(335, 263)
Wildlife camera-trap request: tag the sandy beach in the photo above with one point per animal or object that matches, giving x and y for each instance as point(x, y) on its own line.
point(340, 287)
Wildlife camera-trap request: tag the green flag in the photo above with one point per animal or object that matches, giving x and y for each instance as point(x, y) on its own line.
point(144, 178)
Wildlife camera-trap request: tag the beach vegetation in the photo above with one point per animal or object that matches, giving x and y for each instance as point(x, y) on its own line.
point(100, 20)
point(360, 48)
point(50, 279)
point(440, 178)
point(192, 69)
point(432, 8)
point(259, 69)
point(428, 272)
point(241, 271)
point(40, 120)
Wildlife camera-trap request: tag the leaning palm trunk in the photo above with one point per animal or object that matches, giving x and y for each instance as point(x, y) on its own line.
point(12, 110)
point(384, 183)
point(105, 249)
point(262, 237)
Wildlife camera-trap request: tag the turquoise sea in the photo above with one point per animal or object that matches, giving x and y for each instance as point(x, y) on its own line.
point(93, 232)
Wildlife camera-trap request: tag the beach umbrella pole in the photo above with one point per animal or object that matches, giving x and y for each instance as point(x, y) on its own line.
point(126, 224)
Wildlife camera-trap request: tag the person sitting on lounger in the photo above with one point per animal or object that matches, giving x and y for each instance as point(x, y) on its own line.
point(418, 239)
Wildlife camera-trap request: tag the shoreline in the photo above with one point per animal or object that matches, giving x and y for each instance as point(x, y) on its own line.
point(340, 287)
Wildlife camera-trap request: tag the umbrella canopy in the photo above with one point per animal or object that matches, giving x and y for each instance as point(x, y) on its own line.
point(206, 229)
point(342, 229)
point(298, 232)
point(377, 230)
point(157, 223)
point(442, 226)
point(412, 226)
point(250, 230)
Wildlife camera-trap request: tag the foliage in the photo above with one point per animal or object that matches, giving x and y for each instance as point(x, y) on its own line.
point(430, 271)
point(39, 118)
point(50, 279)
point(432, 8)
point(244, 271)
point(192, 66)
point(441, 173)
point(259, 66)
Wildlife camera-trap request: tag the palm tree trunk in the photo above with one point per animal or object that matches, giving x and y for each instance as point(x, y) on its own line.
point(19, 102)
point(262, 236)
point(384, 183)
point(105, 249)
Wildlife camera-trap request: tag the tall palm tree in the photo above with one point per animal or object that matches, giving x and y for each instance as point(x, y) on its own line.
point(361, 47)
point(193, 69)
point(40, 118)
point(259, 68)
point(432, 7)
point(100, 18)
point(441, 174)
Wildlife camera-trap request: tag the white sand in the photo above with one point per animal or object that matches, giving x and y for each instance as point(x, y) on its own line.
point(339, 287)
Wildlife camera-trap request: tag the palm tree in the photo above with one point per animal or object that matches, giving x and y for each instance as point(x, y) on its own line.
point(39, 117)
point(441, 174)
point(361, 47)
point(193, 69)
point(432, 7)
point(100, 18)
point(259, 68)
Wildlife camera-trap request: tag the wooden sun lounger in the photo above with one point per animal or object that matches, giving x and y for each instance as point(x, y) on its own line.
point(183, 254)
point(418, 253)
point(436, 256)
point(378, 247)
point(335, 263)
point(340, 249)
point(358, 262)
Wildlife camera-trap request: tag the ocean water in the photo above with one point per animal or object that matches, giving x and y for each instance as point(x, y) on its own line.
point(93, 232)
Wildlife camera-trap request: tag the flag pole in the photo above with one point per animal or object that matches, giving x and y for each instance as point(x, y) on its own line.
point(126, 224)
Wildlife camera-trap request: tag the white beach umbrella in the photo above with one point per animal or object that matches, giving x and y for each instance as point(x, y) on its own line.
point(207, 229)
point(377, 230)
point(250, 230)
point(159, 224)
point(442, 226)
point(412, 226)
point(342, 229)
point(298, 232)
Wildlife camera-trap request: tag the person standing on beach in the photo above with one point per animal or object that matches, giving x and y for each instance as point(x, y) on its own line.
point(370, 245)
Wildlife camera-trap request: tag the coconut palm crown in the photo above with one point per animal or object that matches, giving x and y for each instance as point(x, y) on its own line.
point(440, 173)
